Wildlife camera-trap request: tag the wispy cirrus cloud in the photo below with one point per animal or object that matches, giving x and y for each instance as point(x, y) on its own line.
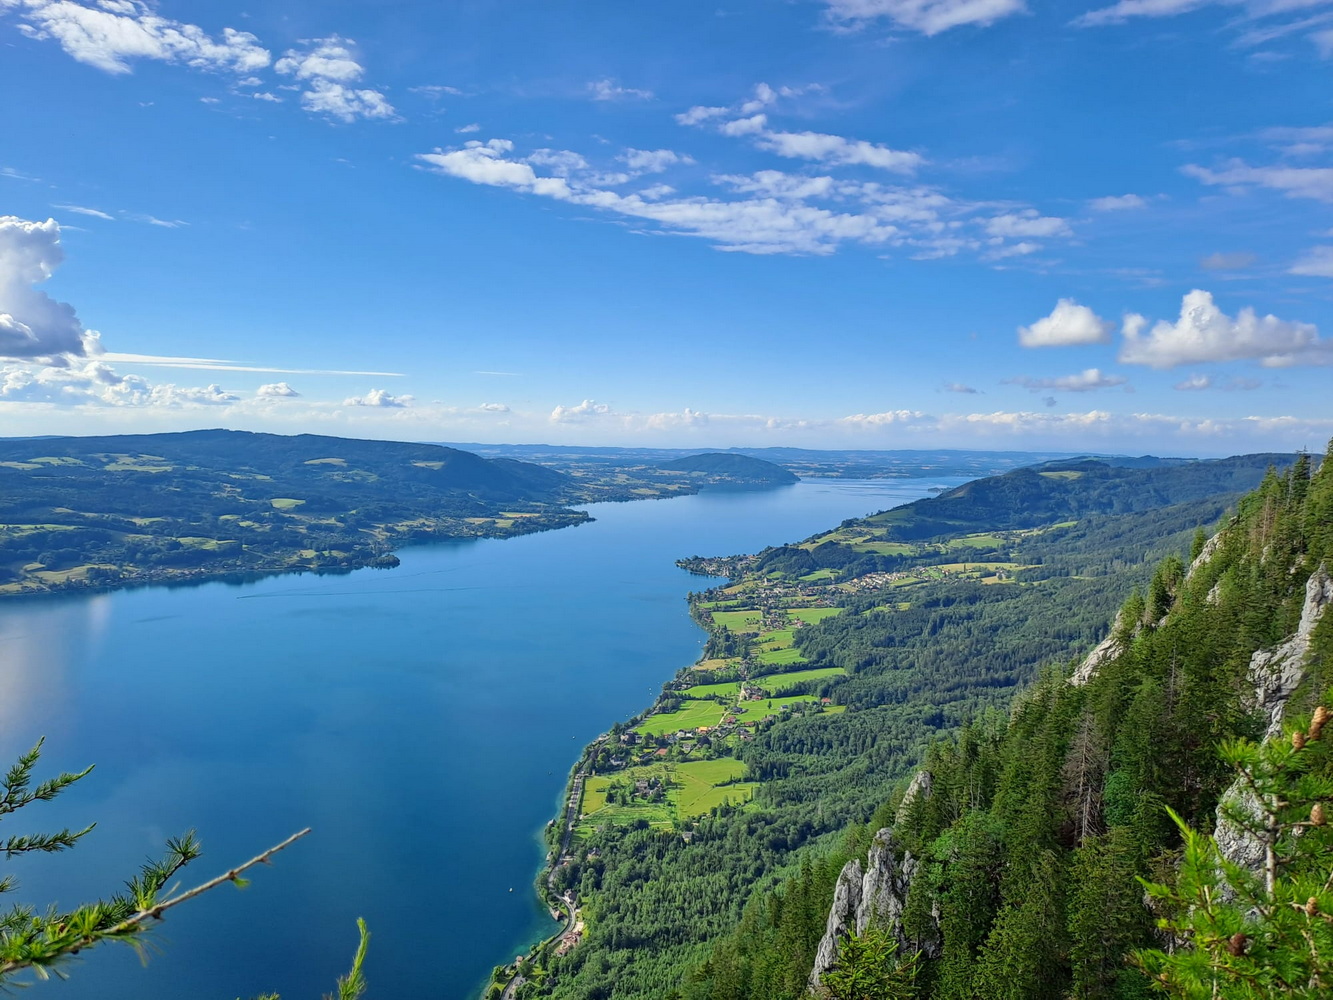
point(768, 211)
point(927, 17)
point(1087, 380)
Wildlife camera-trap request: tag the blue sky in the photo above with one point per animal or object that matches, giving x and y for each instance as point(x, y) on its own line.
point(822, 223)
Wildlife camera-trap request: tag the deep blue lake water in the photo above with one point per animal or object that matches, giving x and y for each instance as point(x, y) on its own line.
point(422, 720)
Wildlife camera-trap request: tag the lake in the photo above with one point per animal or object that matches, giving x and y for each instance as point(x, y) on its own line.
point(422, 720)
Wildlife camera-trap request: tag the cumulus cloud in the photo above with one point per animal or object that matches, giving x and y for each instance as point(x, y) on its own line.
point(959, 387)
point(1085, 381)
point(582, 411)
point(467, 129)
point(609, 90)
point(1117, 203)
point(1069, 323)
point(380, 397)
point(1317, 263)
point(1204, 333)
point(928, 17)
point(329, 69)
point(494, 408)
point(32, 324)
point(112, 34)
point(276, 390)
point(95, 383)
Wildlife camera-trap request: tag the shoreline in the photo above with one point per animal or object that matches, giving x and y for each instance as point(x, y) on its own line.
point(566, 821)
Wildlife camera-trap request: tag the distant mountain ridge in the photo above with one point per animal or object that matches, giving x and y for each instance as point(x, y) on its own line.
point(733, 466)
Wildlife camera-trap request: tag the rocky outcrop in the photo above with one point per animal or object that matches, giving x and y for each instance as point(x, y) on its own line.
point(1106, 649)
point(841, 919)
point(875, 896)
point(1206, 553)
point(923, 783)
point(1276, 672)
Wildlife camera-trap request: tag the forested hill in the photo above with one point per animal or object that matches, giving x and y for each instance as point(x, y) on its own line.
point(1012, 868)
point(302, 461)
point(731, 467)
point(831, 666)
point(1064, 491)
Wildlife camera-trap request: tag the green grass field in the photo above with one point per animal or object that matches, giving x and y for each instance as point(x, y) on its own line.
point(780, 657)
point(813, 616)
point(691, 716)
point(737, 621)
point(775, 684)
point(726, 690)
point(698, 787)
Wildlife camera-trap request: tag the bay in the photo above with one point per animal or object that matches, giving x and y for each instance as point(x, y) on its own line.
point(421, 720)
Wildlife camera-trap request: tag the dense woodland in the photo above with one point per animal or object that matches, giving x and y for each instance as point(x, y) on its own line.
point(1040, 824)
point(733, 906)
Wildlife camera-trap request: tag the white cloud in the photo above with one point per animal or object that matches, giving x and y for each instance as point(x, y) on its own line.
point(276, 390)
point(652, 161)
point(380, 397)
point(1027, 223)
point(94, 383)
point(1261, 21)
point(329, 68)
point(465, 129)
point(112, 34)
point(1069, 323)
point(1117, 203)
point(1293, 182)
point(699, 114)
point(929, 17)
point(95, 213)
point(582, 411)
point(834, 149)
point(265, 96)
point(1317, 263)
point(220, 365)
point(494, 408)
point(961, 388)
point(1195, 383)
point(777, 216)
point(1204, 333)
point(609, 90)
point(748, 119)
point(32, 324)
point(1085, 381)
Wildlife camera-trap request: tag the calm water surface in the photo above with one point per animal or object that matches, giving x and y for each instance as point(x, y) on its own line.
point(422, 720)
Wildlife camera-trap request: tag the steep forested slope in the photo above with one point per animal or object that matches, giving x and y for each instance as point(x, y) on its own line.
point(1016, 860)
point(962, 621)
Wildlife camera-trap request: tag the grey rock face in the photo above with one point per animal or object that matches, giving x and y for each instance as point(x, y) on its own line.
point(841, 919)
point(873, 897)
point(1277, 672)
point(922, 785)
point(1105, 649)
